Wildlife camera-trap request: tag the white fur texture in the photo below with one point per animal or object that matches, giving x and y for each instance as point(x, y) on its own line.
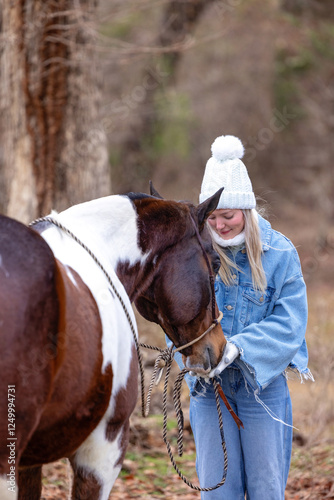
point(227, 147)
point(239, 239)
point(98, 456)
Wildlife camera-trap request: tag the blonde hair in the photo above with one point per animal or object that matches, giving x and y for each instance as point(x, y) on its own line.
point(254, 253)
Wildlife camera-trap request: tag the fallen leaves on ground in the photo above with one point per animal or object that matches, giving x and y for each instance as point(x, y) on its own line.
point(148, 474)
point(312, 473)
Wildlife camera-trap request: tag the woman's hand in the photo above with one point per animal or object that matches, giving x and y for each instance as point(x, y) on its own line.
point(230, 353)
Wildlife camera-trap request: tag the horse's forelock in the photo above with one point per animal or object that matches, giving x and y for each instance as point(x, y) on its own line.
point(162, 223)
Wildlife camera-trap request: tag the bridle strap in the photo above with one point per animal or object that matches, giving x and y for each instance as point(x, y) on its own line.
point(211, 275)
point(211, 327)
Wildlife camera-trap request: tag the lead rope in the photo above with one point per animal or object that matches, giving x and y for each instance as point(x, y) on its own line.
point(178, 411)
point(164, 358)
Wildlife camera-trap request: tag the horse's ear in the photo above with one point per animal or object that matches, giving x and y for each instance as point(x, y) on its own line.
point(207, 207)
point(154, 192)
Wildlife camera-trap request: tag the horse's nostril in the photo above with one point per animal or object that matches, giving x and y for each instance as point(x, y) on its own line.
point(207, 360)
point(200, 364)
point(213, 361)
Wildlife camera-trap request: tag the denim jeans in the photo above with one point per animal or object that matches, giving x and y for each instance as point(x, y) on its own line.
point(258, 455)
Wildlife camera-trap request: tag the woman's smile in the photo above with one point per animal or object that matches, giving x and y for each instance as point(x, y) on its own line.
point(227, 223)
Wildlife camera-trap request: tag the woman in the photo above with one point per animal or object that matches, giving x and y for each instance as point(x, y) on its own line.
point(261, 292)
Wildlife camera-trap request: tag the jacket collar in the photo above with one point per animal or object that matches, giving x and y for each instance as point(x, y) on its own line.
point(266, 233)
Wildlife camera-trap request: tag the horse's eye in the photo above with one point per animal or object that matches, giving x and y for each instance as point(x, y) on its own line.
point(216, 264)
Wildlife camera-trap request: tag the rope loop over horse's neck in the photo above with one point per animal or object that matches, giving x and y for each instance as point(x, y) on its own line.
point(58, 224)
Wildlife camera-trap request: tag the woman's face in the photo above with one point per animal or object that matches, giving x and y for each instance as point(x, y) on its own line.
point(227, 223)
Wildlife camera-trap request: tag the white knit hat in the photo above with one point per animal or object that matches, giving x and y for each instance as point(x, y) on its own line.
point(225, 169)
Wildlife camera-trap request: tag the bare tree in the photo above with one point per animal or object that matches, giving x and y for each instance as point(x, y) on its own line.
point(320, 106)
point(53, 150)
point(179, 20)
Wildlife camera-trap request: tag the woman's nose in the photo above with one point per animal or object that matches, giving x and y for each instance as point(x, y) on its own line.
point(220, 224)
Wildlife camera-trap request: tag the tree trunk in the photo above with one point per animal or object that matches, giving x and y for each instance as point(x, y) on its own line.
point(54, 151)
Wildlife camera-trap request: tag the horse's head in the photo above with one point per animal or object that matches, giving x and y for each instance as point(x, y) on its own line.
point(175, 290)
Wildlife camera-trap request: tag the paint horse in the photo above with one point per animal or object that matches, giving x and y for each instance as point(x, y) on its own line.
point(68, 359)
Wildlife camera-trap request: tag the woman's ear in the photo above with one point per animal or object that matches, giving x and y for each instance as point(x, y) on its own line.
point(207, 207)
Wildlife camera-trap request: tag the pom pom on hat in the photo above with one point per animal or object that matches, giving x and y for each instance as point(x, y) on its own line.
point(227, 147)
point(225, 169)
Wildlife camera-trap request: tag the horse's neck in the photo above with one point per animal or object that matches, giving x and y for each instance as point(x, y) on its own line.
point(108, 227)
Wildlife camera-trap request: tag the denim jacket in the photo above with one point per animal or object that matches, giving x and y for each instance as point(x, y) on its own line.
point(268, 328)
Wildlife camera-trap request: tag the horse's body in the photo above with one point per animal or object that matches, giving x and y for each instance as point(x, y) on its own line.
point(67, 350)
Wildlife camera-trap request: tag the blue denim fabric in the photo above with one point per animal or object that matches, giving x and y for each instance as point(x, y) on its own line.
point(258, 455)
point(268, 328)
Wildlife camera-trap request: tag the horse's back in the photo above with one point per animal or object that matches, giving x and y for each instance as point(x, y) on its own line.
point(27, 284)
point(28, 325)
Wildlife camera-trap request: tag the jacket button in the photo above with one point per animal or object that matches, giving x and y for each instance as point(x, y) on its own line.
point(229, 308)
point(243, 250)
point(261, 298)
point(234, 276)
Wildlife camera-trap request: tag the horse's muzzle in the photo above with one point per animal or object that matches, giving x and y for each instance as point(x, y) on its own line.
point(201, 365)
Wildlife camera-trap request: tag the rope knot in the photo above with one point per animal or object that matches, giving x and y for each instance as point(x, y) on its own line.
point(164, 359)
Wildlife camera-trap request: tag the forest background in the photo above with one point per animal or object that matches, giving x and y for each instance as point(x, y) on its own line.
point(101, 97)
